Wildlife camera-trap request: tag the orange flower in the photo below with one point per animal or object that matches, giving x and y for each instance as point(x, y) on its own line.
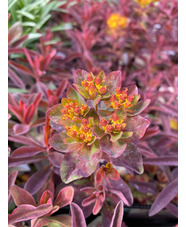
point(116, 21)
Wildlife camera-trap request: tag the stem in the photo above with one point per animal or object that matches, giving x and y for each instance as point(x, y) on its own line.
point(97, 107)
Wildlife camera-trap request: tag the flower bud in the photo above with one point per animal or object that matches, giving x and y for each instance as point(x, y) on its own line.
point(115, 117)
point(109, 128)
point(118, 127)
point(84, 83)
point(77, 110)
point(89, 78)
point(73, 133)
point(85, 129)
point(84, 121)
point(102, 90)
point(103, 122)
point(82, 136)
point(98, 81)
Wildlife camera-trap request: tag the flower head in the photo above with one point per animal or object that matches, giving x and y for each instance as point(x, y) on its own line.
point(121, 99)
point(116, 21)
point(144, 3)
point(72, 109)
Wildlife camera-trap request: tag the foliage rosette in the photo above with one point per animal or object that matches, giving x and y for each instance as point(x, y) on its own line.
point(96, 125)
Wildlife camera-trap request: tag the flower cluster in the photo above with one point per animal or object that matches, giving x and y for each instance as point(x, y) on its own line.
point(72, 109)
point(117, 21)
point(82, 133)
point(101, 128)
point(94, 85)
point(144, 3)
point(114, 124)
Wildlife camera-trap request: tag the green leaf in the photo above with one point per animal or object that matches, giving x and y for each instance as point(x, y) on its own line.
point(72, 168)
point(139, 107)
point(95, 147)
point(116, 136)
point(73, 94)
point(98, 131)
point(92, 113)
point(126, 135)
point(82, 91)
point(62, 27)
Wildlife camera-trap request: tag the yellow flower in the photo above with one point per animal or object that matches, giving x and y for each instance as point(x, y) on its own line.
point(144, 3)
point(174, 124)
point(117, 21)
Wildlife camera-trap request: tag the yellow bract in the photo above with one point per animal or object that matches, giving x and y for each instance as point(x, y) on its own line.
point(144, 3)
point(174, 124)
point(117, 21)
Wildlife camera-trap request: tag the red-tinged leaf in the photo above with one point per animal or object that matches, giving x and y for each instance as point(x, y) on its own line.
point(98, 205)
point(115, 149)
point(60, 221)
point(122, 190)
point(46, 197)
point(38, 122)
point(24, 140)
point(57, 142)
point(126, 135)
point(20, 129)
point(132, 90)
point(12, 162)
point(48, 185)
point(37, 180)
point(38, 222)
point(116, 136)
point(29, 113)
point(131, 159)
point(55, 114)
point(80, 75)
point(19, 42)
point(78, 219)
point(27, 212)
point(21, 196)
point(113, 174)
point(139, 107)
point(27, 151)
point(113, 81)
point(20, 67)
point(97, 100)
point(28, 58)
point(93, 113)
point(143, 187)
point(162, 161)
point(173, 209)
point(138, 126)
point(146, 150)
point(73, 94)
point(82, 91)
point(14, 32)
point(105, 113)
point(118, 215)
point(15, 111)
point(11, 181)
point(72, 168)
point(165, 196)
point(151, 131)
point(64, 197)
point(98, 131)
point(37, 100)
point(56, 158)
point(17, 81)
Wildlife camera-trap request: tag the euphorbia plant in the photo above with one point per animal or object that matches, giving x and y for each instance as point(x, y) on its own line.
point(99, 122)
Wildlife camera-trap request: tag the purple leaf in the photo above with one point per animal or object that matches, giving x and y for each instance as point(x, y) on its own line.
point(21, 196)
point(19, 161)
point(64, 197)
point(78, 219)
point(138, 126)
point(139, 107)
point(24, 140)
point(24, 151)
point(60, 220)
point(173, 209)
point(20, 129)
point(113, 80)
point(57, 142)
point(162, 161)
point(72, 168)
point(27, 212)
point(80, 75)
point(119, 186)
point(112, 149)
point(38, 222)
point(17, 81)
point(143, 187)
point(165, 196)
point(56, 158)
point(55, 114)
point(131, 159)
point(11, 181)
point(36, 181)
point(73, 94)
point(118, 215)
